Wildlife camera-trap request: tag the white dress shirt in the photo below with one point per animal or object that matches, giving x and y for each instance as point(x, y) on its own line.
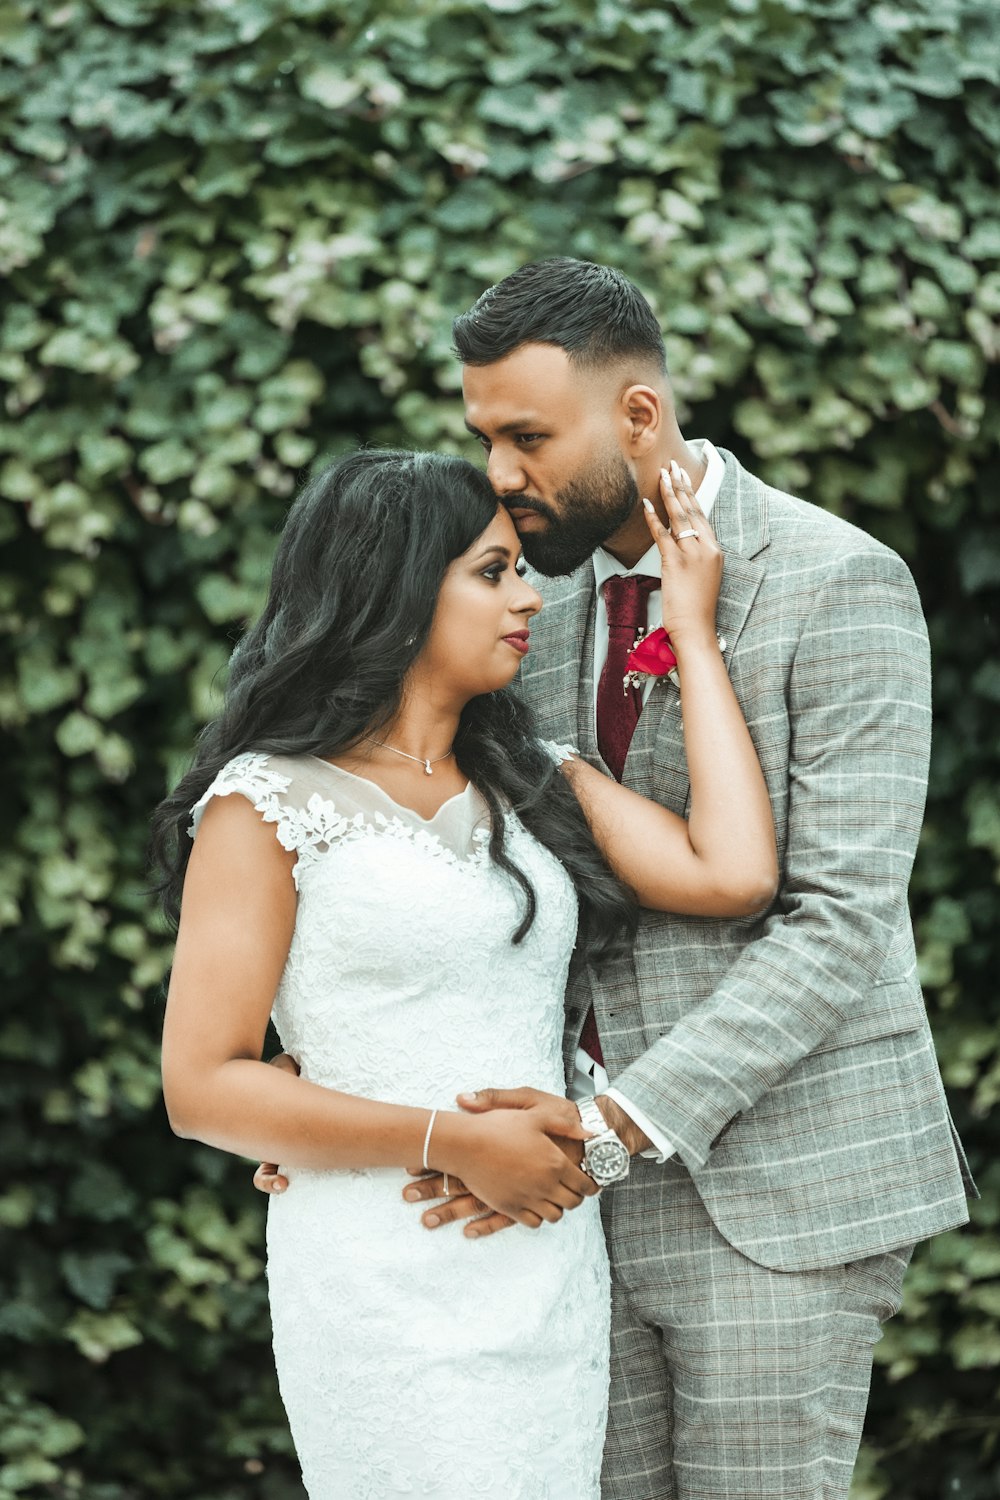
point(589, 1078)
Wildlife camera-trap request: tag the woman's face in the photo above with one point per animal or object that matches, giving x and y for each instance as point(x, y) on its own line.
point(479, 635)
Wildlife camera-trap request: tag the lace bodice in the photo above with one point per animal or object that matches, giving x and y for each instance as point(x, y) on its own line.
point(366, 964)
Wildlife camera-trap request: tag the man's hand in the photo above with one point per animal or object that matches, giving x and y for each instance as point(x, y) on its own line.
point(458, 1204)
point(267, 1178)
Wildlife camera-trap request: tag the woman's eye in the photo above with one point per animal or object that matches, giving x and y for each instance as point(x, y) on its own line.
point(493, 572)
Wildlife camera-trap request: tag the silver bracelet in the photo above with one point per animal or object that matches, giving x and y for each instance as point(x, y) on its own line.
point(427, 1137)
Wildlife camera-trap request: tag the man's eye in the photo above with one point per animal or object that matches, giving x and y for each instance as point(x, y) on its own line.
point(528, 437)
point(520, 567)
point(484, 443)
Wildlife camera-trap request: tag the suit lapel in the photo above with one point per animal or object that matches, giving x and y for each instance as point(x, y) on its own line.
point(740, 521)
point(558, 662)
point(585, 719)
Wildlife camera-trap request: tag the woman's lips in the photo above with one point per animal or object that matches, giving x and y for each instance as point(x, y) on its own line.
point(519, 640)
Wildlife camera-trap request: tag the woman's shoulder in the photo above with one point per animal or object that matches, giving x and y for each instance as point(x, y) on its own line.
point(253, 771)
point(295, 793)
point(268, 782)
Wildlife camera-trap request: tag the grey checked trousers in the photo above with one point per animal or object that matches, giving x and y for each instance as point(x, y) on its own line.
point(730, 1381)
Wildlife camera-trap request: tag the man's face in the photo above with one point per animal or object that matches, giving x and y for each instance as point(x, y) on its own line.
point(554, 454)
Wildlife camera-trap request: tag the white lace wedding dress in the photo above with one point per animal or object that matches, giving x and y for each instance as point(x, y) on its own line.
point(414, 1362)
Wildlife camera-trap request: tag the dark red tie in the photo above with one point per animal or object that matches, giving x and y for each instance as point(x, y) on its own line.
point(618, 709)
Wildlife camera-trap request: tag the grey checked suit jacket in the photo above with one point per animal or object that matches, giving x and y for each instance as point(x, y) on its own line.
point(788, 1057)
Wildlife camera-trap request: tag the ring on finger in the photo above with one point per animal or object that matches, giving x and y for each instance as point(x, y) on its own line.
point(680, 535)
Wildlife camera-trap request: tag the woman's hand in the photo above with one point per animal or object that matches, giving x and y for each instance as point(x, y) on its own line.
point(690, 561)
point(508, 1161)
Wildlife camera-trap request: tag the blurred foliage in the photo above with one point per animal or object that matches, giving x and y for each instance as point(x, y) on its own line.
point(232, 236)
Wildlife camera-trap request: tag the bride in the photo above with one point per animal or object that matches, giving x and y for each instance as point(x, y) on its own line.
point(387, 860)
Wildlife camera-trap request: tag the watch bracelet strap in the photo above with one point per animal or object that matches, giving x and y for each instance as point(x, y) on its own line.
point(596, 1123)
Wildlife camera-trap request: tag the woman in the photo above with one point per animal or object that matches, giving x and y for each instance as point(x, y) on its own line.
point(403, 876)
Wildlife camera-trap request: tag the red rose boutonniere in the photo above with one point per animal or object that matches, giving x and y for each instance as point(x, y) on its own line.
point(652, 656)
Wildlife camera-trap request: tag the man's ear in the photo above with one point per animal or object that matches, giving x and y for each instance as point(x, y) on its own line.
point(642, 416)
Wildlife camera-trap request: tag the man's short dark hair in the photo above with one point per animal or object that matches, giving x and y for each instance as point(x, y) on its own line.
point(591, 311)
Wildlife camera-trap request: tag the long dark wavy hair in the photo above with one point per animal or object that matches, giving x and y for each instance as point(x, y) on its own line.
point(352, 596)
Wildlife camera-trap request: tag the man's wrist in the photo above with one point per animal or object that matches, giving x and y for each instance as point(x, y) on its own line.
point(628, 1132)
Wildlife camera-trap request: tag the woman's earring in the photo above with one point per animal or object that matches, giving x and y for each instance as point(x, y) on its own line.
point(411, 640)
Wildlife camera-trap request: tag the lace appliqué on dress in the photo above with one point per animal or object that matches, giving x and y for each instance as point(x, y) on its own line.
point(559, 754)
point(310, 830)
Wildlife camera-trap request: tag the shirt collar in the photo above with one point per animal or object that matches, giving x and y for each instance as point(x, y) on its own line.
point(606, 566)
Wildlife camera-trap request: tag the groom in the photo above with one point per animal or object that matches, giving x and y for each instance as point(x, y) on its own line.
point(773, 1079)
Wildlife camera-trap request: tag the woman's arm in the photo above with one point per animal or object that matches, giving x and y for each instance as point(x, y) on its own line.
point(721, 862)
point(237, 918)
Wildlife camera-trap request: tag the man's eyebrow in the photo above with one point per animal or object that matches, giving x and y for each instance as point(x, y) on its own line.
point(519, 424)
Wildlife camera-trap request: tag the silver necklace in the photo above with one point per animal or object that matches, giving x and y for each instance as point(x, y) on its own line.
point(420, 759)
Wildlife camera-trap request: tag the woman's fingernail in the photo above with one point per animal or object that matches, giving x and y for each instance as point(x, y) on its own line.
point(648, 504)
point(675, 468)
point(411, 1195)
point(686, 477)
point(432, 1221)
point(279, 1187)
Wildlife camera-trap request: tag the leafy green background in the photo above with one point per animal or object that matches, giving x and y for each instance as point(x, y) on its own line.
point(232, 235)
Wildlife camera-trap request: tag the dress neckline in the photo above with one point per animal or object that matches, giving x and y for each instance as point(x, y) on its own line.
point(355, 776)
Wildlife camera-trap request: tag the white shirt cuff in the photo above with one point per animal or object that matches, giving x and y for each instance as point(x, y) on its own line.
point(661, 1149)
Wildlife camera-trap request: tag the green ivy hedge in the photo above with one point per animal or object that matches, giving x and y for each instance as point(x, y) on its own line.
point(232, 236)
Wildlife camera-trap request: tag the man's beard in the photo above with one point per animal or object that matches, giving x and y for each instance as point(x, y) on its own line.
point(591, 508)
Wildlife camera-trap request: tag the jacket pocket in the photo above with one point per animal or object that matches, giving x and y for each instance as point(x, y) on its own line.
point(892, 1008)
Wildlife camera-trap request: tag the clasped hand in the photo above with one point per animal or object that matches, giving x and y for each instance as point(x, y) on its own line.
point(518, 1162)
point(526, 1169)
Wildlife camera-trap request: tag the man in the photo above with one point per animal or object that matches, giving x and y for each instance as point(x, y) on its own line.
point(773, 1080)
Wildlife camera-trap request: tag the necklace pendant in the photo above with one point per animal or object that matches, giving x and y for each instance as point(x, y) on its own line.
point(427, 768)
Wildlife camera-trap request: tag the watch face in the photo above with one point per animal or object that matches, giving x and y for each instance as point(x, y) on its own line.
point(607, 1161)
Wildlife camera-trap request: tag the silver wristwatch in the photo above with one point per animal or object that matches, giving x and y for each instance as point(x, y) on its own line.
point(605, 1156)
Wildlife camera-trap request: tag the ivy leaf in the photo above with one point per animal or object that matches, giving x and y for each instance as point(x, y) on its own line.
point(93, 1276)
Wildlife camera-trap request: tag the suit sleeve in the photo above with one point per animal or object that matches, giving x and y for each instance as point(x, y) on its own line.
point(859, 710)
